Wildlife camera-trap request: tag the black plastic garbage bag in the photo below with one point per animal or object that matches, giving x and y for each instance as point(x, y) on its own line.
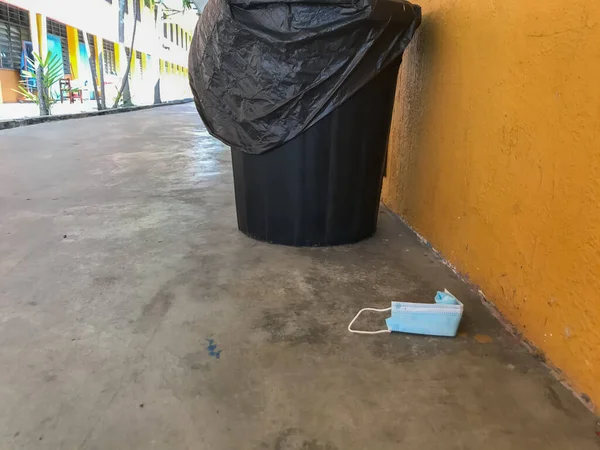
point(263, 71)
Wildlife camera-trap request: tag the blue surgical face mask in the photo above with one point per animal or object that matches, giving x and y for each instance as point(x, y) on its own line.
point(436, 319)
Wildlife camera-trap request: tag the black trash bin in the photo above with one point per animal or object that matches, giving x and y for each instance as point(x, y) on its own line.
point(303, 93)
point(323, 186)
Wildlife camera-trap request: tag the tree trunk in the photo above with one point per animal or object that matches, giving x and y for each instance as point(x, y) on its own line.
point(157, 99)
point(101, 70)
point(42, 94)
point(126, 94)
point(124, 90)
point(91, 63)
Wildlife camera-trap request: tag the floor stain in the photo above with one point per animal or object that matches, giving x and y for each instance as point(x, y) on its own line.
point(482, 338)
point(295, 439)
point(212, 349)
point(155, 310)
point(294, 328)
point(555, 400)
point(105, 281)
point(196, 361)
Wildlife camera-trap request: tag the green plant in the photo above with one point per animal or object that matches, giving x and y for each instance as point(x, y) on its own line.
point(186, 4)
point(50, 71)
point(168, 11)
point(119, 101)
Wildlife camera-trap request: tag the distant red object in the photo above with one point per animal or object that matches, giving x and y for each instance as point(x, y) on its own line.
point(67, 92)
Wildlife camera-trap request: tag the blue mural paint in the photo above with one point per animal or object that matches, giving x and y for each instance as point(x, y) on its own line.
point(55, 48)
point(212, 349)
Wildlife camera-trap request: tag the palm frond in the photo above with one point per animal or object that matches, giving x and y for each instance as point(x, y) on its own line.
point(27, 94)
point(51, 71)
point(27, 74)
point(38, 59)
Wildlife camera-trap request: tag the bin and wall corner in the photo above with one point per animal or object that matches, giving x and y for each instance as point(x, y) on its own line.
point(494, 157)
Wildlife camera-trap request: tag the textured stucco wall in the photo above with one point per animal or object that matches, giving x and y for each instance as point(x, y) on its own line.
point(495, 158)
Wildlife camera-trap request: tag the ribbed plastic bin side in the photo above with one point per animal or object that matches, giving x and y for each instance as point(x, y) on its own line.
point(322, 187)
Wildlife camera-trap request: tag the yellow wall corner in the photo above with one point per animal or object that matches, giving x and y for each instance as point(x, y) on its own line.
point(494, 157)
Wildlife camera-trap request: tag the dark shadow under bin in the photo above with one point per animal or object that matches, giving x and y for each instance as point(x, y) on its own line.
point(322, 187)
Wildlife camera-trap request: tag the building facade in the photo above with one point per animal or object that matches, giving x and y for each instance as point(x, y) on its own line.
point(158, 54)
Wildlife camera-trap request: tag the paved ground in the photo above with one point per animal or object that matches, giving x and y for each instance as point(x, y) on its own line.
point(134, 315)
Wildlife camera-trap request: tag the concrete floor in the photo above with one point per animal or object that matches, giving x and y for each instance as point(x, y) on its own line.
point(134, 315)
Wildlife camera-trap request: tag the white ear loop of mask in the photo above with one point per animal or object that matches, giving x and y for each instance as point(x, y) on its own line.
point(368, 332)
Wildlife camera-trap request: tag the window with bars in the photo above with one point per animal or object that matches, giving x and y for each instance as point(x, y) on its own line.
point(56, 28)
point(14, 30)
point(92, 45)
point(137, 10)
point(60, 30)
point(110, 61)
point(14, 15)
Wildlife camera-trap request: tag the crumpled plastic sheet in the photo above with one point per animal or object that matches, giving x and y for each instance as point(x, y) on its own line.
point(263, 71)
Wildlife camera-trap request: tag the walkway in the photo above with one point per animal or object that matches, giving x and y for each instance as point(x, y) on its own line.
point(10, 111)
point(134, 315)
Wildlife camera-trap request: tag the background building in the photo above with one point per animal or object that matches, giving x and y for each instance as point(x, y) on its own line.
point(159, 51)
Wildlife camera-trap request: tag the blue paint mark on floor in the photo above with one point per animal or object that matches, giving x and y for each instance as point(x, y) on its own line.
point(212, 349)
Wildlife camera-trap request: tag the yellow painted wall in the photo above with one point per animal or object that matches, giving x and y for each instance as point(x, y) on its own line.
point(144, 62)
point(73, 44)
point(495, 158)
point(42, 34)
point(118, 50)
